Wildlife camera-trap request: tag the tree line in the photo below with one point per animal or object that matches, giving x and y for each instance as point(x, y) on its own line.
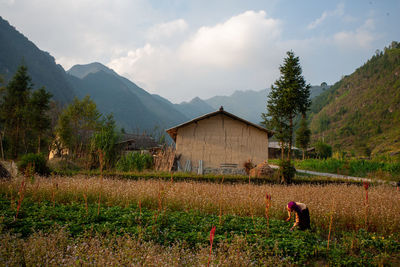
point(30, 122)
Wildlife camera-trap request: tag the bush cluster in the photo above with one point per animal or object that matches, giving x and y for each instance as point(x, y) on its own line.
point(353, 167)
point(287, 170)
point(37, 163)
point(134, 162)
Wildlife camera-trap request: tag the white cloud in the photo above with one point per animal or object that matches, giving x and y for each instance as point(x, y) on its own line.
point(338, 12)
point(242, 52)
point(232, 42)
point(362, 37)
point(318, 21)
point(167, 30)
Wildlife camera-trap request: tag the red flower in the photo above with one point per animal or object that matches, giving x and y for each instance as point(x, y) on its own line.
point(212, 234)
point(366, 185)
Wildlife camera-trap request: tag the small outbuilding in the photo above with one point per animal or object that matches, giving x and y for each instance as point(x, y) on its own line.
point(274, 150)
point(137, 143)
point(219, 142)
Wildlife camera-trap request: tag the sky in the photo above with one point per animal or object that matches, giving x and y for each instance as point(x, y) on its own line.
point(181, 49)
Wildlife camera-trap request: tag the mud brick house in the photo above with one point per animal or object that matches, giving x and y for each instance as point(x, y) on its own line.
point(219, 142)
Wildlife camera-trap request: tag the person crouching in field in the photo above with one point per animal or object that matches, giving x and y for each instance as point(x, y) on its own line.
point(302, 215)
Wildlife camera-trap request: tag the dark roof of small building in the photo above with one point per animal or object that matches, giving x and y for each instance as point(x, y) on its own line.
point(173, 131)
point(277, 145)
point(138, 141)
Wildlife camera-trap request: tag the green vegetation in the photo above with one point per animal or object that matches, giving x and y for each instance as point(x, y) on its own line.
point(287, 170)
point(37, 163)
point(358, 112)
point(166, 213)
point(192, 228)
point(351, 167)
point(289, 96)
point(60, 165)
point(23, 116)
point(134, 162)
point(76, 125)
point(323, 150)
point(303, 136)
point(104, 144)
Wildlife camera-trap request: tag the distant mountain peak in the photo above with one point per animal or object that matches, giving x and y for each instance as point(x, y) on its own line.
point(196, 100)
point(81, 71)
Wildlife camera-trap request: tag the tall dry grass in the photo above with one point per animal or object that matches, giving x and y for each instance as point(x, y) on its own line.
point(58, 249)
point(236, 199)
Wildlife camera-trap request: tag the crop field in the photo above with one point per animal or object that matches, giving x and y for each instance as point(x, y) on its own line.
point(93, 221)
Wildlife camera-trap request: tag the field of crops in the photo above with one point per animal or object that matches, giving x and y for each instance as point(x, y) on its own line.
point(153, 222)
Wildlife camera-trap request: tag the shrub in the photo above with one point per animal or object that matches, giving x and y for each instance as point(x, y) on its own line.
point(59, 164)
point(287, 170)
point(134, 162)
point(323, 150)
point(36, 161)
point(105, 141)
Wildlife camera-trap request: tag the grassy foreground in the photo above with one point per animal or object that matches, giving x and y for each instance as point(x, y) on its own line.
point(262, 242)
point(157, 222)
point(347, 202)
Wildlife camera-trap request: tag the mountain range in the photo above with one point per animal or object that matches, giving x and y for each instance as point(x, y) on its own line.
point(133, 108)
point(360, 113)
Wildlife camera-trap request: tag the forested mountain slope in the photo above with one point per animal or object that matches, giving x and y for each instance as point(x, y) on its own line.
point(361, 112)
point(133, 108)
point(16, 49)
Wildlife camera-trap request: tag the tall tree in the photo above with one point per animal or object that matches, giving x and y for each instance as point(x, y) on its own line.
point(13, 109)
point(24, 117)
point(76, 124)
point(39, 118)
point(303, 136)
point(2, 90)
point(289, 96)
point(103, 143)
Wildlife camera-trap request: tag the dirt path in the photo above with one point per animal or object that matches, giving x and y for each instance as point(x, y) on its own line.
point(339, 176)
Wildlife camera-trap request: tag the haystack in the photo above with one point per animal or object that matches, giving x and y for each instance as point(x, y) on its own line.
point(262, 170)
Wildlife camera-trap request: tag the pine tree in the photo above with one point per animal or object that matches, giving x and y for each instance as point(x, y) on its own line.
point(23, 114)
point(2, 91)
point(39, 118)
point(289, 96)
point(14, 110)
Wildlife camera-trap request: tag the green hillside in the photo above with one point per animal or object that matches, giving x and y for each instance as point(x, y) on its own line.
point(133, 108)
point(16, 49)
point(361, 112)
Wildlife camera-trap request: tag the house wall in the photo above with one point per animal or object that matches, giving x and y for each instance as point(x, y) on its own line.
point(221, 139)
